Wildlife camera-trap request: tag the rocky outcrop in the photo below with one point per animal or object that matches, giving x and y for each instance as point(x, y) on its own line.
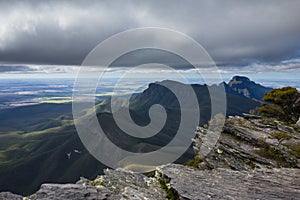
point(252, 142)
point(115, 184)
point(8, 195)
point(178, 182)
point(254, 158)
point(191, 183)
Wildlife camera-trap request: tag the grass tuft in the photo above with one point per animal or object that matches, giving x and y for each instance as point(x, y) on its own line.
point(171, 193)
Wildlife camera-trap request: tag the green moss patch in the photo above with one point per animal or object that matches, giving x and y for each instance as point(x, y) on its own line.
point(195, 162)
point(281, 136)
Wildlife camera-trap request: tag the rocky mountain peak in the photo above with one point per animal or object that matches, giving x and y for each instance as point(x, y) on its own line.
point(239, 80)
point(238, 85)
point(243, 86)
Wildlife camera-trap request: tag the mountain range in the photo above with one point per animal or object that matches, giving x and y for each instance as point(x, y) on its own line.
point(39, 143)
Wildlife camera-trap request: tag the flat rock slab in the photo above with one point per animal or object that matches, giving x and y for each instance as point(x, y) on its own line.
point(191, 183)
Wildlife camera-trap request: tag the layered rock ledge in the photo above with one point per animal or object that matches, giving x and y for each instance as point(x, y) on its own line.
point(254, 158)
point(184, 182)
point(221, 183)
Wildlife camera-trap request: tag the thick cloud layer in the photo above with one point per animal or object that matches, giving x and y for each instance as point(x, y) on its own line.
point(235, 33)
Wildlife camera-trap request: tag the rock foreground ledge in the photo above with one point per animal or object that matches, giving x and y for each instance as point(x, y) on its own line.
point(254, 158)
point(185, 182)
point(224, 183)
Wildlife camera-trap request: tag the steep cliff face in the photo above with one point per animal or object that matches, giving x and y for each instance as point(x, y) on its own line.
point(254, 158)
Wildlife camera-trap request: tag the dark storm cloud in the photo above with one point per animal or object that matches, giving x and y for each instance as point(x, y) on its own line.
point(233, 32)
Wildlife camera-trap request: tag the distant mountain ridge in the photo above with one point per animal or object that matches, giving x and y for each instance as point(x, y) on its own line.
point(238, 85)
point(242, 95)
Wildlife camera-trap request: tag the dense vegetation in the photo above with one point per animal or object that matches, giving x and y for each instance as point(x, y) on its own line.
point(282, 103)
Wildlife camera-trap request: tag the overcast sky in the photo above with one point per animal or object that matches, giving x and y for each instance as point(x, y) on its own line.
point(247, 35)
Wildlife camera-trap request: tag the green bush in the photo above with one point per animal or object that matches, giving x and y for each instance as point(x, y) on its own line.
point(282, 103)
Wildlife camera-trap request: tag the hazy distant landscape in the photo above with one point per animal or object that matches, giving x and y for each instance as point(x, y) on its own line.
point(20, 92)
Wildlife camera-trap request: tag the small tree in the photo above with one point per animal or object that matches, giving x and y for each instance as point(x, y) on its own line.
point(282, 103)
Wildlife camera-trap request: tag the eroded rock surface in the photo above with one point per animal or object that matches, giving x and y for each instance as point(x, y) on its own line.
point(252, 142)
point(115, 184)
point(191, 183)
point(254, 158)
point(8, 195)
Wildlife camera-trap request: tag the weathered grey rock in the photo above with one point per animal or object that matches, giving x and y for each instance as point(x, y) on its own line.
point(244, 164)
point(71, 191)
point(130, 185)
point(251, 143)
point(8, 195)
point(191, 183)
point(115, 184)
